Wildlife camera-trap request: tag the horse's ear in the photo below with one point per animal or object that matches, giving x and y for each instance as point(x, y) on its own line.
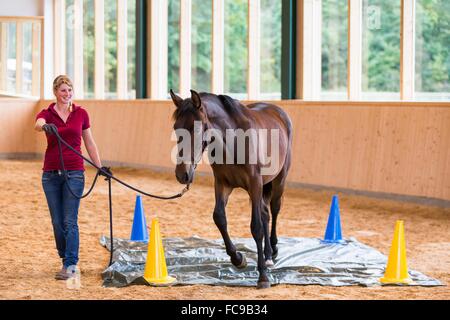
point(196, 99)
point(176, 99)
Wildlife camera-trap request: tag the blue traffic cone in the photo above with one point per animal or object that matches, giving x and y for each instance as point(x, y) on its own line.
point(333, 234)
point(139, 231)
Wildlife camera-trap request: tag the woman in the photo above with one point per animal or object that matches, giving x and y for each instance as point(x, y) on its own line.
point(72, 123)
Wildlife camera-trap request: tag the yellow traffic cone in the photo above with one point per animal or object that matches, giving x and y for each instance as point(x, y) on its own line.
point(155, 266)
point(397, 269)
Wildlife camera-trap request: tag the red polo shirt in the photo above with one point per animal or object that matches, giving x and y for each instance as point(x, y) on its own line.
point(70, 131)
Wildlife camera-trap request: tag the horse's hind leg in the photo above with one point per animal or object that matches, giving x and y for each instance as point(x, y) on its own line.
point(257, 228)
point(222, 193)
point(275, 206)
point(267, 194)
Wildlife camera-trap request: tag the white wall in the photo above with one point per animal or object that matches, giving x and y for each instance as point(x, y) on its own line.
point(21, 8)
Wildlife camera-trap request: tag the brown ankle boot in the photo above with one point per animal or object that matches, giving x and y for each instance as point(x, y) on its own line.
point(62, 275)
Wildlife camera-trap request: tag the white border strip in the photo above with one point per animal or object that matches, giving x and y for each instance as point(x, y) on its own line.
point(159, 49)
point(354, 49)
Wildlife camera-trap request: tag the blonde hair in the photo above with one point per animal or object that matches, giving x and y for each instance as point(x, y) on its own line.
point(60, 80)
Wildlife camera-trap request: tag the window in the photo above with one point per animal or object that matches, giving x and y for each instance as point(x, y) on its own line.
point(432, 56)
point(334, 49)
point(131, 49)
point(381, 50)
point(174, 45)
point(110, 49)
point(20, 54)
point(70, 38)
point(11, 58)
point(236, 50)
point(36, 58)
point(89, 51)
point(201, 33)
point(89, 48)
point(270, 49)
point(226, 21)
point(27, 55)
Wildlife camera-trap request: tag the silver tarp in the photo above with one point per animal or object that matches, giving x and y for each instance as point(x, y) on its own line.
point(300, 261)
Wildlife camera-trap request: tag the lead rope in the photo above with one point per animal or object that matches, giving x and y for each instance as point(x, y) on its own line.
point(108, 178)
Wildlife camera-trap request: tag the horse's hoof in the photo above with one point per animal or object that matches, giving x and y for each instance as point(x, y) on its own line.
point(269, 263)
point(242, 264)
point(274, 253)
point(263, 285)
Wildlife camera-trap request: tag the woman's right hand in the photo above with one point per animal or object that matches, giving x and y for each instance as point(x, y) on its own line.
point(50, 128)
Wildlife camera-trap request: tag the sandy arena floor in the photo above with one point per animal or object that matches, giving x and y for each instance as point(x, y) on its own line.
point(29, 259)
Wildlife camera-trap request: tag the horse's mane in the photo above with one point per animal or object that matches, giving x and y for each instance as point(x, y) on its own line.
point(231, 106)
point(228, 104)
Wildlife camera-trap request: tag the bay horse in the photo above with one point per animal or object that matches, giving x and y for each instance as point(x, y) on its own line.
point(222, 113)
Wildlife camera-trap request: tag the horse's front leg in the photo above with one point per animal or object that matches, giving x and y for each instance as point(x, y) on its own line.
point(257, 229)
point(222, 193)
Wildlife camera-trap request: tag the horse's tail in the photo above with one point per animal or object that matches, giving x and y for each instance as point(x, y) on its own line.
point(289, 127)
point(288, 124)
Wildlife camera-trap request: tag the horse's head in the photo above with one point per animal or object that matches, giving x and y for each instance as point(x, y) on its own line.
point(190, 123)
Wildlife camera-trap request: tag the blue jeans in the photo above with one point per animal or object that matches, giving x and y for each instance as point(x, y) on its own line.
point(63, 208)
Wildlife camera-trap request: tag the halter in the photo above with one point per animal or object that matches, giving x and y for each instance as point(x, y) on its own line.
point(204, 145)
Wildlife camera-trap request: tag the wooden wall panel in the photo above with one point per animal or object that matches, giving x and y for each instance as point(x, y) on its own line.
point(17, 119)
point(397, 147)
point(394, 149)
point(136, 132)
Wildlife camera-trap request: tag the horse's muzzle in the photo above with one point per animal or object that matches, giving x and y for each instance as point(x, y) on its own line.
point(184, 174)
